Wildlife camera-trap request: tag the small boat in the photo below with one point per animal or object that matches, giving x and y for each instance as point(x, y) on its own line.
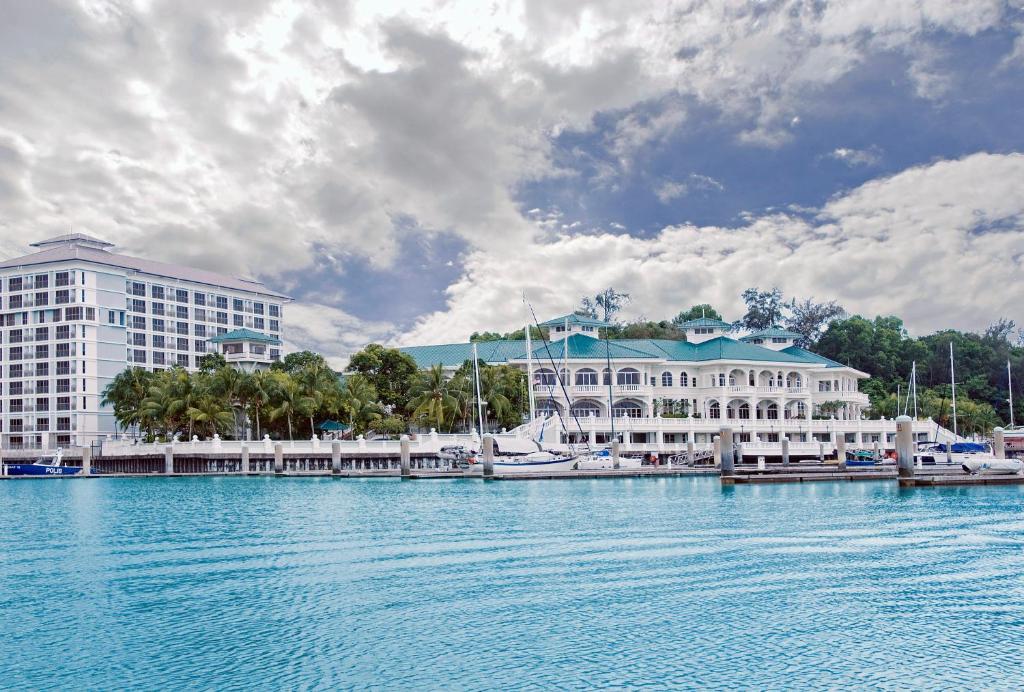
point(956, 454)
point(52, 465)
point(534, 462)
point(985, 464)
point(602, 459)
point(861, 457)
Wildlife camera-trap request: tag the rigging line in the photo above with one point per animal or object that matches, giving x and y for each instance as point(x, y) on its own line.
point(565, 391)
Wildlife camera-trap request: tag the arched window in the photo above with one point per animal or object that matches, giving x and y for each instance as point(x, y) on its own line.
point(714, 411)
point(545, 377)
point(606, 377)
point(627, 376)
point(772, 411)
point(563, 375)
point(721, 379)
point(547, 407)
point(582, 409)
point(586, 377)
point(684, 379)
point(666, 379)
point(628, 408)
point(744, 411)
point(801, 409)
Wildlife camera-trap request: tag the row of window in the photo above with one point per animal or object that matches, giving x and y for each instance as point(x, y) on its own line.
point(71, 314)
point(42, 351)
point(181, 312)
point(19, 442)
point(181, 295)
point(17, 425)
point(42, 299)
point(41, 386)
point(32, 282)
point(18, 336)
point(61, 403)
point(177, 343)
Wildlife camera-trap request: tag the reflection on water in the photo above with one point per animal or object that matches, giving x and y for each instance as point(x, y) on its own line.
point(240, 582)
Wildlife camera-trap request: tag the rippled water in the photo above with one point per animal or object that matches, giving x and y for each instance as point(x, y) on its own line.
point(240, 583)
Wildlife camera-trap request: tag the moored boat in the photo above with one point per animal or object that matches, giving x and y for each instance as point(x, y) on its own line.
point(534, 462)
point(52, 465)
point(987, 464)
point(602, 459)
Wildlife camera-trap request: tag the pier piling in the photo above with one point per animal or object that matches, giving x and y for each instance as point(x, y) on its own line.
point(169, 459)
point(406, 456)
point(689, 452)
point(86, 461)
point(615, 453)
point(999, 443)
point(785, 450)
point(245, 459)
point(278, 457)
point(726, 452)
point(841, 452)
point(821, 452)
point(488, 456)
point(336, 457)
point(905, 446)
point(877, 450)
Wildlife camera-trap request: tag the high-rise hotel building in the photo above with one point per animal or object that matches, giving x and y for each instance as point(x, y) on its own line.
point(75, 314)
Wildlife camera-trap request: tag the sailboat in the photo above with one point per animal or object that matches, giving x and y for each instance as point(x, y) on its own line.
point(1013, 436)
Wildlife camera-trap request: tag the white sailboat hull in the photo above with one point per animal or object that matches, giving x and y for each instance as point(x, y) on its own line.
point(597, 462)
point(538, 462)
point(991, 465)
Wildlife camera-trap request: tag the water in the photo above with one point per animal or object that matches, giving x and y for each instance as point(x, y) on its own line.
point(246, 583)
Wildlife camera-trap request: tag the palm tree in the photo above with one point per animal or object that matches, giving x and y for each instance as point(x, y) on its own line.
point(126, 393)
point(359, 402)
point(214, 412)
point(431, 398)
point(288, 400)
point(258, 389)
point(319, 385)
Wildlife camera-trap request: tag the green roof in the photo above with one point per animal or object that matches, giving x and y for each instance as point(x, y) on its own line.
point(581, 320)
point(705, 322)
point(772, 332)
point(587, 348)
point(245, 335)
point(332, 425)
point(810, 357)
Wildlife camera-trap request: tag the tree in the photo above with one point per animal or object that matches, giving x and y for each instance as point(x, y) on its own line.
point(126, 393)
point(212, 412)
point(605, 305)
point(809, 319)
point(289, 400)
point(212, 362)
point(431, 399)
point(389, 371)
point(696, 312)
point(359, 402)
point(259, 388)
point(764, 308)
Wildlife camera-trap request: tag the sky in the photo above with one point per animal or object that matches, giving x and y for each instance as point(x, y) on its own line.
point(407, 170)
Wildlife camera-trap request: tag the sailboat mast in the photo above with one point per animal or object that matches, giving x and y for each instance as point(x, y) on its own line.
point(1009, 382)
point(479, 400)
point(529, 375)
point(608, 366)
point(952, 381)
point(913, 373)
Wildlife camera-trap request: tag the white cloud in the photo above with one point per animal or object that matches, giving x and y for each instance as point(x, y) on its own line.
point(857, 157)
point(330, 331)
point(939, 245)
point(671, 189)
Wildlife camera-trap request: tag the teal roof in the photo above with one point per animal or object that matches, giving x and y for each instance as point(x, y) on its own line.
point(705, 322)
point(812, 357)
point(772, 332)
point(245, 335)
point(587, 348)
point(454, 355)
point(581, 320)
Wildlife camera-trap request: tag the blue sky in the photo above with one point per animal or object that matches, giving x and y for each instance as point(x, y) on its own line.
point(407, 170)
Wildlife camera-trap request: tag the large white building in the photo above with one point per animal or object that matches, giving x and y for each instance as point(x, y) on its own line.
point(75, 314)
point(665, 393)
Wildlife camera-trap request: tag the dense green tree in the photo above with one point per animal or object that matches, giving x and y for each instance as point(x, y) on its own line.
point(809, 319)
point(696, 312)
point(389, 371)
point(764, 308)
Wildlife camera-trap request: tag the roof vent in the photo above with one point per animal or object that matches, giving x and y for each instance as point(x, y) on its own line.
point(80, 239)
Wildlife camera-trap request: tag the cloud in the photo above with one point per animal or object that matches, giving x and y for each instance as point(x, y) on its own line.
point(928, 244)
point(857, 157)
point(670, 189)
point(330, 331)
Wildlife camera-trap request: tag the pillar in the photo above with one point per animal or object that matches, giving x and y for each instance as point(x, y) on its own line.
point(615, 453)
point(841, 451)
point(245, 458)
point(336, 457)
point(739, 453)
point(169, 459)
point(716, 445)
point(690, 452)
point(821, 452)
point(278, 457)
point(905, 446)
point(406, 455)
point(86, 461)
point(785, 450)
point(998, 443)
point(488, 456)
point(877, 450)
point(726, 453)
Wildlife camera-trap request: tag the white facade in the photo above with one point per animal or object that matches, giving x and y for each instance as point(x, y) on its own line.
point(74, 315)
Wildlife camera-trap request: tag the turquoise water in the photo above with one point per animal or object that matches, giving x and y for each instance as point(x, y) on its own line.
point(256, 583)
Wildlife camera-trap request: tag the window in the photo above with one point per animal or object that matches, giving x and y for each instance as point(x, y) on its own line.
point(63, 423)
point(42, 386)
point(275, 326)
point(666, 379)
point(158, 356)
point(630, 409)
point(182, 344)
point(222, 318)
point(158, 341)
point(582, 409)
point(42, 351)
point(15, 336)
point(14, 302)
point(257, 308)
point(136, 288)
point(63, 402)
point(138, 339)
point(714, 410)
point(257, 323)
point(15, 370)
point(627, 377)
point(42, 299)
point(275, 310)
point(63, 368)
point(181, 328)
point(586, 377)
point(222, 302)
point(42, 424)
point(199, 314)
point(15, 388)
point(199, 346)
point(275, 354)
point(237, 304)
point(138, 322)
point(62, 297)
point(42, 280)
point(156, 292)
point(181, 295)
point(183, 360)
point(199, 330)
point(684, 380)
point(14, 283)
point(181, 312)
point(545, 378)
point(136, 305)
point(63, 331)
point(42, 369)
point(42, 404)
point(199, 298)
point(157, 308)
point(158, 325)
point(237, 320)
point(15, 353)
point(42, 333)
point(779, 340)
point(138, 356)
point(61, 279)
point(63, 350)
